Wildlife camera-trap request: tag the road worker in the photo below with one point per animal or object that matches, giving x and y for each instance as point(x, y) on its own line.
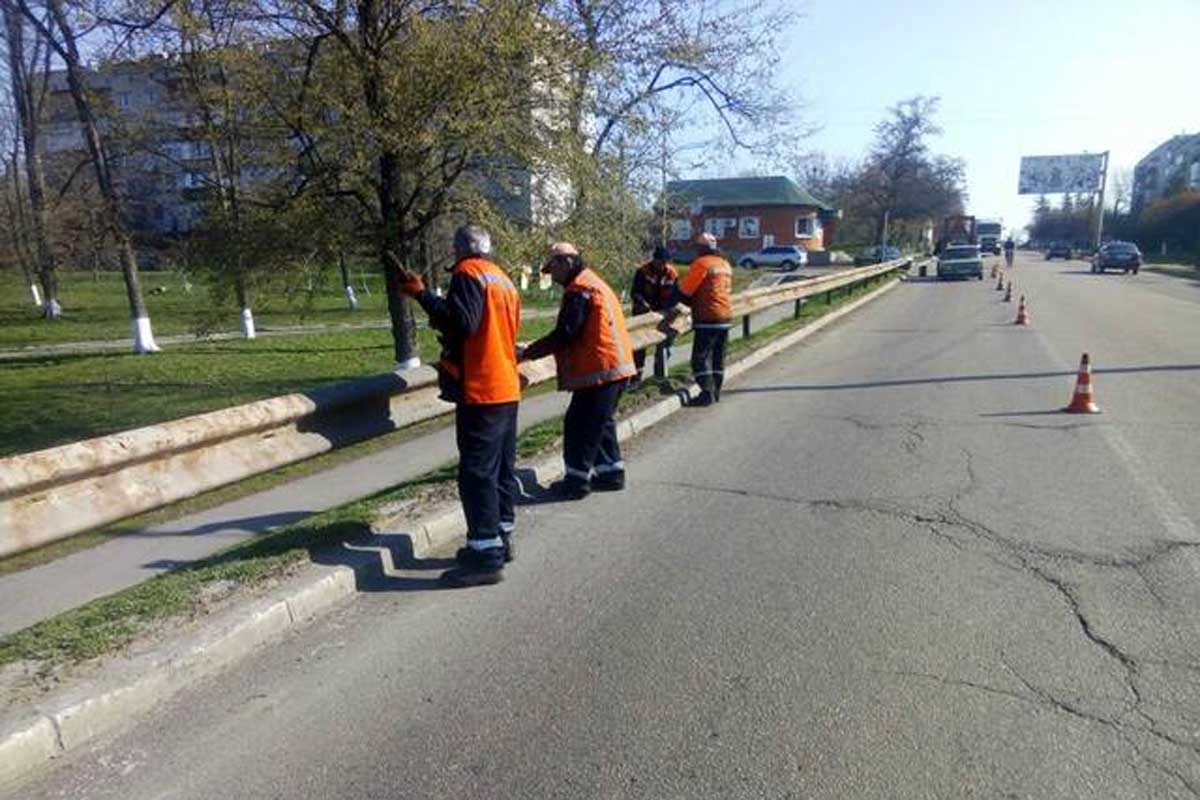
point(654, 290)
point(707, 287)
point(591, 347)
point(478, 320)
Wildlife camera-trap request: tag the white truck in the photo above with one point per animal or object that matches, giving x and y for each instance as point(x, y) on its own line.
point(990, 233)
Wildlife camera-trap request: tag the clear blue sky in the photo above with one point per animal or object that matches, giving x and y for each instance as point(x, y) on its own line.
point(1026, 77)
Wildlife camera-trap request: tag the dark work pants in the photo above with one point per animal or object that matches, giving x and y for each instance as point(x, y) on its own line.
point(590, 435)
point(661, 351)
point(708, 359)
point(487, 481)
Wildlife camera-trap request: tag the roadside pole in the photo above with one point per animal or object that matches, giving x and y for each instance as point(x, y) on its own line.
point(1098, 222)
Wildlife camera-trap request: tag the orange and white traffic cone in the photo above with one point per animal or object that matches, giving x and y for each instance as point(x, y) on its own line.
point(1022, 313)
point(1008, 293)
point(1083, 402)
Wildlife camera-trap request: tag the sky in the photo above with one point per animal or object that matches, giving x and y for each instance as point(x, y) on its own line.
point(1015, 77)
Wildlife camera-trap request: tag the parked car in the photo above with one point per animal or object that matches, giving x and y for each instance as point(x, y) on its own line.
point(877, 255)
point(960, 261)
point(783, 256)
point(1124, 256)
point(1059, 250)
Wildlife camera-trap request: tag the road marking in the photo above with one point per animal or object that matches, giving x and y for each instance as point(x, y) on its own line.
point(1169, 513)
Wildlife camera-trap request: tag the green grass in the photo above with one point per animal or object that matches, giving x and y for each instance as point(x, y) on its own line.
point(57, 399)
point(108, 624)
point(95, 308)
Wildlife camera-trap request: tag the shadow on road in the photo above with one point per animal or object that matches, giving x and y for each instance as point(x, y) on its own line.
point(382, 561)
point(258, 524)
point(998, 376)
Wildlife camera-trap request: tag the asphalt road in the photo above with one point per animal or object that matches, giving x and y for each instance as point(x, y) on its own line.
point(884, 566)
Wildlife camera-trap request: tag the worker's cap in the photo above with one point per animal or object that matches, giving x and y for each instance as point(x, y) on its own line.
point(559, 250)
point(662, 254)
point(706, 239)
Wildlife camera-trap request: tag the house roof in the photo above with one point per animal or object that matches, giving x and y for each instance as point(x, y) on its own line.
point(770, 191)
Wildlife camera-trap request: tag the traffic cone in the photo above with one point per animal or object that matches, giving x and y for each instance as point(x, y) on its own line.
point(1008, 293)
point(1022, 313)
point(1083, 402)
point(1000, 284)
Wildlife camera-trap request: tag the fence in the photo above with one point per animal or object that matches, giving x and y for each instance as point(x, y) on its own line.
point(51, 494)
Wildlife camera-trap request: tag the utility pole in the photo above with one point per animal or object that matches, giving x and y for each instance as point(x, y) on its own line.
point(1098, 222)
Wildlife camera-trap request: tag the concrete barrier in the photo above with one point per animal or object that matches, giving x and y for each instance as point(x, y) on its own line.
point(54, 493)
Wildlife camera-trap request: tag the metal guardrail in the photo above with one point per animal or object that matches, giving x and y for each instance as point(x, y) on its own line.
point(55, 493)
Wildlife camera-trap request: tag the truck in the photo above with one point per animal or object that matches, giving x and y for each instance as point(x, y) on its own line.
point(958, 249)
point(990, 232)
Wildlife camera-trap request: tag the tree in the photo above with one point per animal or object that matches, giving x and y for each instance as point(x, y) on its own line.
point(893, 194)
point(60, 25)
point(406, 109)
point(28, 66)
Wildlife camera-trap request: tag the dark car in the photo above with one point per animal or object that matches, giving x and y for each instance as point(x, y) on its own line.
point(1059, 250)
point(1124, 256)
point(877, 255)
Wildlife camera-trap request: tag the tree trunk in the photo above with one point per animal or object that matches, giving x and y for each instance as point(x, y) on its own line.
point(346, 285)
point(29, 122)
point(143, 335)
point(392, 239)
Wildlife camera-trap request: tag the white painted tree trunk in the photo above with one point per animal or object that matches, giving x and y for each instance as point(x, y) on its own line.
point(248, 324)
point(37, 294)
point(405, 366)
point(350, 298)
point(52, 310)
point(143, 337)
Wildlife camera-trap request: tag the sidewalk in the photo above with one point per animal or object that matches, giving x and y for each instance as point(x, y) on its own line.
point(41, 592)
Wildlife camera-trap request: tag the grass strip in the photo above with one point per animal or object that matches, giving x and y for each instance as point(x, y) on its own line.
point(110, 623)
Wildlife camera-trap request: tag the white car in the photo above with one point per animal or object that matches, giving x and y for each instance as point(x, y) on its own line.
point(786, 257)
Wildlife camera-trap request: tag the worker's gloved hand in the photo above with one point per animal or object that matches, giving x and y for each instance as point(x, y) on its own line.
point(520, 352)
point(411, 284)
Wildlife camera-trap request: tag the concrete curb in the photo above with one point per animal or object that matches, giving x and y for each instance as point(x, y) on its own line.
point(132, 686)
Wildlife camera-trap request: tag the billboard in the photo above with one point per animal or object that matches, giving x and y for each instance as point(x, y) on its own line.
point(1078, 174)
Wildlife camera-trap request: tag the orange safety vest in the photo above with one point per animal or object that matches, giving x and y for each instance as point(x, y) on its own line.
point(709, 282)
point(601, 353)
point(486, 372)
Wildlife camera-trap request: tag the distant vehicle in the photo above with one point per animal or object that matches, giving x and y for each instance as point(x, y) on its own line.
point(1124, 256)
point(1059, 250)
point(990, 233)
point(956, 229)
point(786, 257)
point(960, 261)
point(877, 255)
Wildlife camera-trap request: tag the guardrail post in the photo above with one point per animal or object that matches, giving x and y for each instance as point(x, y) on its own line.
point(746, 327)
point(660, 360)
point(799, 305)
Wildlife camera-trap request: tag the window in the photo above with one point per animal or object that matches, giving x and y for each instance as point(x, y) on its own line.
point(123, 99)
point(806, 226)
point(192, 180)
point(748, 228)
point(681, 230)
point(1194, 175)
point(718, 226)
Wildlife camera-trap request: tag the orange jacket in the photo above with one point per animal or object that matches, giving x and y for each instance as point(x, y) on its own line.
point(601, 352)
point(709, 284)
point(484, 368)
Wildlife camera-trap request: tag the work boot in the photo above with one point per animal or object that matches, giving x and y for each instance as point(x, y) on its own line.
point(463, 554)
point(610, 482)
point(478, 568)
point(705, 398)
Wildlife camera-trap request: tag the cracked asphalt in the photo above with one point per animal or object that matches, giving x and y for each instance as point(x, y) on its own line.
point(884, 566)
